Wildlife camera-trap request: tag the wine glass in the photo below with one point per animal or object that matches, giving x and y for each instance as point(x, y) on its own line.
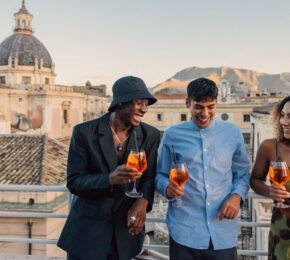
point(178, 175)
point(138, 161)
point(279, 175)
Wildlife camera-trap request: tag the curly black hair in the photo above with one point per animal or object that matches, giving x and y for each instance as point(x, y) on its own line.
point(202, 89)
point(276, 118)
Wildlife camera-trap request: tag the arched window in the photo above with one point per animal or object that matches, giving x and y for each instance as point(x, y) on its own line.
point(24, 24)
point(66, 113)
point(18, 23)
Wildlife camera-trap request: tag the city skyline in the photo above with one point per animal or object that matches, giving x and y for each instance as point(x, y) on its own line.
point(101, 41)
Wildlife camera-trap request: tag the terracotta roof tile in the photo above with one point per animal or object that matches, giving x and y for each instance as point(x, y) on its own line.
point(32, 159)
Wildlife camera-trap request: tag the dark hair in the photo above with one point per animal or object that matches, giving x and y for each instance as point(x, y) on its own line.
point(202, 89)
point(276, 118)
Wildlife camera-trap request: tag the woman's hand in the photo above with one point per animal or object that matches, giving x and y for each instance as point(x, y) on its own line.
point(278, 193)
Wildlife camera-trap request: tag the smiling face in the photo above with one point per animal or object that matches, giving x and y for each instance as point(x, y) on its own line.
point(202, 112)
point(285, 120)
point(131, 113)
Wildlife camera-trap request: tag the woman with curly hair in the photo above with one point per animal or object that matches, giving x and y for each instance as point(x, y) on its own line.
point(277, 149)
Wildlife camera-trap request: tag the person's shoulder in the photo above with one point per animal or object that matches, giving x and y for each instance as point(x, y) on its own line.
point(268, 144)
point(149, 128)
point(177, 127)
point(175, 130)
point(88, 124)
point(227, 125)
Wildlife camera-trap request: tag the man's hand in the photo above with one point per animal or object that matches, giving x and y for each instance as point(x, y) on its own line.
point(137, 216)
point(174, 191)
point(231, 207)
point(278, 193)
point(122, 175)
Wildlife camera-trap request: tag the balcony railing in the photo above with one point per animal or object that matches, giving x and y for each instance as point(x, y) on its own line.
point(15, 214)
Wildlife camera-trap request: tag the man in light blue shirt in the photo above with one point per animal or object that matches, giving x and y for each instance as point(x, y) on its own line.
point(205, 225)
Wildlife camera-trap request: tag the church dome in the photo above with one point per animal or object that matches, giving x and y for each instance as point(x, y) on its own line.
point(26, 48)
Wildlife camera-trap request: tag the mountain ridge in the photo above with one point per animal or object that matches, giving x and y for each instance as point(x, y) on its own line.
point(250, 79)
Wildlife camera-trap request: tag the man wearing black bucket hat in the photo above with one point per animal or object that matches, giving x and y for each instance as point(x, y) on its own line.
point(104, 223)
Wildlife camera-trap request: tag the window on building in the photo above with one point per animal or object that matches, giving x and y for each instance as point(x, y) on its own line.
point(159, 117)
point(247, 138)
point(225, 116)
point(65, 116)
point(46, 81)
point(23, 24)
point(18, 23)
point(183, 117)
point(246, 118)
point(66, 111)
point(2, 80)
point(20, 99)
point(26, 80)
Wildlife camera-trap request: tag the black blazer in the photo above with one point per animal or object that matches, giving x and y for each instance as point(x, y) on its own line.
point(100, 211)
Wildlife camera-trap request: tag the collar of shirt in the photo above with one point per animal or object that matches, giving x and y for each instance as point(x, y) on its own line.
point(205, 130)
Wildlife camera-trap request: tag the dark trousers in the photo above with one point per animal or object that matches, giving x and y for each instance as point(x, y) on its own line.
point(110, 257)
point(178, 252)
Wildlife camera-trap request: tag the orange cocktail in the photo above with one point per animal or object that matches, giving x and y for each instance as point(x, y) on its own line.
point(179, 176)
point(279, 174)
point(137, 161)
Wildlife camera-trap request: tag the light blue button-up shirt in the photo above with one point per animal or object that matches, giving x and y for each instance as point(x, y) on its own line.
point(218, 167)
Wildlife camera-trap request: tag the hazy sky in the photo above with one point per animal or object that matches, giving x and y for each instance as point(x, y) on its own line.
point(101, 41)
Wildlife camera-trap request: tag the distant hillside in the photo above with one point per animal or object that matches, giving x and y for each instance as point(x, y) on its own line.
point(251, 79)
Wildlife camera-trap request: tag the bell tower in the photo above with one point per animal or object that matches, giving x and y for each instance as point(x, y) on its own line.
point(23, 21)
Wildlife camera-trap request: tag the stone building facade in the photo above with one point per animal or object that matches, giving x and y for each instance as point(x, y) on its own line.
point(35, 115)
point(31, 102)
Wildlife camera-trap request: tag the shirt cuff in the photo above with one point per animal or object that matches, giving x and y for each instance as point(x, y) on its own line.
point(241, 195)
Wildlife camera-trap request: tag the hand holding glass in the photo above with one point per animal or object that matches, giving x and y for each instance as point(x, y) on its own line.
point(279, 175)
point(138, 161)
point(178, 175)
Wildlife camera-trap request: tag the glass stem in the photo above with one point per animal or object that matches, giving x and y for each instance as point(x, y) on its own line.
point(134, 186)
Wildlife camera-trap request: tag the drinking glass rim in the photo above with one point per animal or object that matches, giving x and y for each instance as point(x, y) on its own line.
point(139, 151)
point(278, 164)
point(179, 163)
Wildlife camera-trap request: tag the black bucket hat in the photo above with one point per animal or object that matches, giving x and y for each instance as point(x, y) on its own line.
point(129, 88)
